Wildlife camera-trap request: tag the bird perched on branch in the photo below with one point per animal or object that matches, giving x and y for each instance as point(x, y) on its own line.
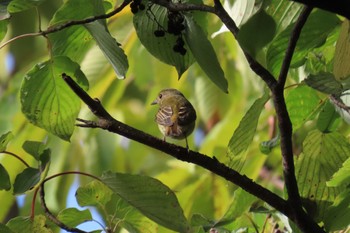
point(176, 116)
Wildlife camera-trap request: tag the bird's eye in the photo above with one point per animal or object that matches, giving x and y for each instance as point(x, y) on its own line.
point(160, 96)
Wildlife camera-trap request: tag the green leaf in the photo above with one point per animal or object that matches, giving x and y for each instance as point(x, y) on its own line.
point(341, 68)
point(20, 224)
point(338, 214)
point(341, 177)
point(128, 217)
point(322, 156)
point(4, 14)
point(25, 224)
point(26, 180)
point(4, 140)
point(22, 5)
point(155, 200)
point(240, 204)
point(204, 53)
point(260, 24)
point(110, 47)
point(320, 59)
point(30, 178)
point(200, 220)
point(244, 133)
point(318, 26)
point(94, 193)
point(74, 41)
point(284, 13)
point(72, 217)
point(77, 10)
point(47, 101)
point(240, 12)
point(328, 119)
point(324, 82)
point(5, 229)
point(5, 183)
point(34, 148)
point(146, 22)
point(302, 104)
point(3, 28)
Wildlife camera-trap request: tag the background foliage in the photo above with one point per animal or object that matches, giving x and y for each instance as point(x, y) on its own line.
point(109, 59)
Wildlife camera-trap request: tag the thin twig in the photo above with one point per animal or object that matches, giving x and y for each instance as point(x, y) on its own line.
point(286, 130)
point(52, 217)
point(261, 71)
point(292, 44)
point(181, 153)
point(339, 103)
point(19, 37)
point(48, 213)
point(16, 156)
point(184, 6)
point(340, 7)
point(60, 27)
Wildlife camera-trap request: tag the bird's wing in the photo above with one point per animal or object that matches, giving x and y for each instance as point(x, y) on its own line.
point(187, 114)
point(164, 116)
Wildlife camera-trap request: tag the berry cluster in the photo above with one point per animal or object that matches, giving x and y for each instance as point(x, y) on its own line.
point(179, 46)
point(175, 27)
point(137, 5)
point(175, 23)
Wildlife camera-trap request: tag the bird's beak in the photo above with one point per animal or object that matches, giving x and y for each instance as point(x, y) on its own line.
point(154, 102)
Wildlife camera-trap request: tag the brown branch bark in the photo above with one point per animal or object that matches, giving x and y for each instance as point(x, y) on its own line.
point(68, 24)
point(107, 122)
point(304, 221)
point(341, 7)
point(292, 208)
point(285, 125)
point(51, 216)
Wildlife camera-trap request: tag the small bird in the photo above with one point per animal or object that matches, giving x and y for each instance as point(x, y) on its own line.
point(176, 116)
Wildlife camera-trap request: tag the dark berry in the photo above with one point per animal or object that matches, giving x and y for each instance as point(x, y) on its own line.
point(176, 48)
point(159, 33)
point(182, 51)
point(142, 6)
point(180, 41)
point(134, 10)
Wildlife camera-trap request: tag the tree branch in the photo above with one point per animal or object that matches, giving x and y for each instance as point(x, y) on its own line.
point(106, 122)
point(339, 103)
point(48, 213)
point(57, 28)
point(53, 217)
point(292, 45)
point(261, 71)
point(284, 123)
point(286, 131)
point(340, 7)
point(60, 27)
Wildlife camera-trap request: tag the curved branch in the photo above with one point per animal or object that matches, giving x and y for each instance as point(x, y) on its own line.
point(85, 21)
point(340, 7)
point(53, 217)
point(48, 213)
point(106, 122)
point(292, 45)
point(60, 27)
point(16, 156)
